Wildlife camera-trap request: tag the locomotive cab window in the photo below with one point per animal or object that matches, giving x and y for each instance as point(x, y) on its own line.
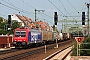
point(23, 33)
point(17, 34)
point(20, 34)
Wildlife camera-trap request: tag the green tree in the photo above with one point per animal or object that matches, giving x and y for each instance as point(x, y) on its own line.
point(4, 32)
point(55, 29)
point(15, 25)
point(74, 53)
point(4, 29)
point(1, 20)
point(85, 46)
point(2, 26)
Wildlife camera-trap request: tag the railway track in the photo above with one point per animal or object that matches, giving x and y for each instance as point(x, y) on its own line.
point(29, 52)
point(9, 51)
point(60, 55)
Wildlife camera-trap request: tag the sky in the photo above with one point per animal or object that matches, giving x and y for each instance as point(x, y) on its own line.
point(70, 8)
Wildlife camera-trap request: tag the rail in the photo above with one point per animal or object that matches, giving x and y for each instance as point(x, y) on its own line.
point(27, 53)
point(60, 55)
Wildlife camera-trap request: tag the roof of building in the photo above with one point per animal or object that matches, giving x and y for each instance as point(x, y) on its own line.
point(43, 25)
point(26, 20)
point(39, 24)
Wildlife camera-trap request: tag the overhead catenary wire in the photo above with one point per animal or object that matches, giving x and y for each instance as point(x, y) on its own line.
point(28, 4)
point(78, 10)
point(63, 6)
point(43, 18)
point(15, 8)
point(56, 7)
point(35, 8)
point(72, 6)
point(11, 6)
point(47, 15)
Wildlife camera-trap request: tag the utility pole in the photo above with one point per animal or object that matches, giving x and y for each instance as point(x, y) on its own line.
point(35, 18)
point(88, 6)
point(35, 15)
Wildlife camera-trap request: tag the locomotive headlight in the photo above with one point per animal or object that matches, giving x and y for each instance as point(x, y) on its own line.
point(15, 40)
point(23, 43)
point(24, 40)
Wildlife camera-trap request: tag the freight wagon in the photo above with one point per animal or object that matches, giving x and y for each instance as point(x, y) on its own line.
point(64, 36)
point(47, 37)
point(6, 41)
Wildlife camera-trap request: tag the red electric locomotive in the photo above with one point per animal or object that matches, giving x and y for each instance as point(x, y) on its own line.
point(24, 37)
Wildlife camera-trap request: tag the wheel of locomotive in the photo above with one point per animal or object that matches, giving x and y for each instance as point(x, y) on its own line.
point(25, 46)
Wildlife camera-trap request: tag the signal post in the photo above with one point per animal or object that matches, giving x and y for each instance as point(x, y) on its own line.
point(79, 40)
point(8, 29)
point(55, 23)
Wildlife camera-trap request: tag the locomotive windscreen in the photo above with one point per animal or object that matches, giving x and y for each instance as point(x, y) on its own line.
point(20, 33)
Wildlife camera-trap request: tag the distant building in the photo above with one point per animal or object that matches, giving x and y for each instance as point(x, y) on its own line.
point(25, 21)
point(43, 25)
